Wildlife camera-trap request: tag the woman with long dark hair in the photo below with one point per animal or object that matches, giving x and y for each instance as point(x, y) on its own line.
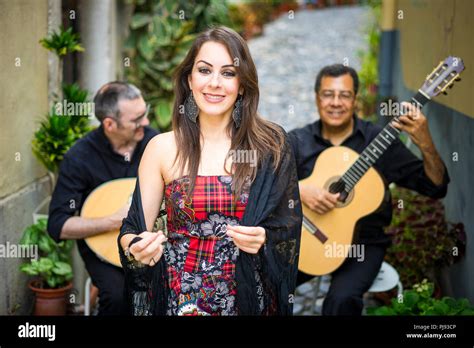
point(228, 178)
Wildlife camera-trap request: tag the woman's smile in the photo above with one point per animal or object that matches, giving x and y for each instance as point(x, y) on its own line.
point(213, 98)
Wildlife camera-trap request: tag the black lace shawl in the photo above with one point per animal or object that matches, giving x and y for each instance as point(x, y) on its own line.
point(273, 204)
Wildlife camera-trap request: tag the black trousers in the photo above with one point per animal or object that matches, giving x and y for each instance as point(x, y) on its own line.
point(350, 281)
point(109, 280)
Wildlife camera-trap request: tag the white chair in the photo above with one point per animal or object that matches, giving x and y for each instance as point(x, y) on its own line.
point(90, 295)
point(387, 279)
point(87, 297)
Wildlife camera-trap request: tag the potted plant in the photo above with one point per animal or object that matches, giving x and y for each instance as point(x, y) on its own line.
point(51, 268)
point(420, 301)
point(64, 124)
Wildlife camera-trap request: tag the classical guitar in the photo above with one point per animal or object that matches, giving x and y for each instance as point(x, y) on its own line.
point(326, 239)
point(105, 200)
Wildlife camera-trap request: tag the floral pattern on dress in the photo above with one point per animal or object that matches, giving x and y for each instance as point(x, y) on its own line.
point(200, 255)
point(227, 181)
point(216, 225)
point(179, 205)
point(211, 290)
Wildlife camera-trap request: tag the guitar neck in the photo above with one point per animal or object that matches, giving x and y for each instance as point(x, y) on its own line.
point(377, 147)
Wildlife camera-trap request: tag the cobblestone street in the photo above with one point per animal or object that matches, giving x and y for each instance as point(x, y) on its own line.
point(292, 51)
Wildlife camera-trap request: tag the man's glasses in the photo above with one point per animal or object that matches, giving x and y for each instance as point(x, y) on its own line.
point(140, 118)
point(344, 96)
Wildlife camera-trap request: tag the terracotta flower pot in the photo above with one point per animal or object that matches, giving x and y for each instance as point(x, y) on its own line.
point(50, 301)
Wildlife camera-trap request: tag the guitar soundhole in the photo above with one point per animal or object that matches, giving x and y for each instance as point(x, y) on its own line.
point(334, 185)
point(337, 186)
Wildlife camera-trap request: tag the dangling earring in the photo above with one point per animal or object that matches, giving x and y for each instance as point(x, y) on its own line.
point(237, 112)
point(190, 108)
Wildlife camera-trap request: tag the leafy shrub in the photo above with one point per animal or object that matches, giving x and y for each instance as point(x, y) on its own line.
point(53, 267)
point(420, 301)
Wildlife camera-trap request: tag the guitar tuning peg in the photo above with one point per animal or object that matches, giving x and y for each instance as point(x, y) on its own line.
point(451, 86)
point(445, 93)
point(458, 79)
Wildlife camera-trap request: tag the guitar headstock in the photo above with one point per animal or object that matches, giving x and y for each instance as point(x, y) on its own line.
point(443, 76)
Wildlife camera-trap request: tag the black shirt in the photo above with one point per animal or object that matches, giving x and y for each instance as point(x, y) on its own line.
point(90, 162)
point(398, 164)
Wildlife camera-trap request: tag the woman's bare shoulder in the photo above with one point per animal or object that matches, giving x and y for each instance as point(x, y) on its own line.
point(162, 144)
point(161, 152)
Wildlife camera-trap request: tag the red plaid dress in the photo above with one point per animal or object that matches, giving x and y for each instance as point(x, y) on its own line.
point(199, 255)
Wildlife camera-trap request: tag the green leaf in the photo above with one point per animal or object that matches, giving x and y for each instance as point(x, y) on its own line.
point(163, 113)
point(30, 268)
point(441, 308)
point(145, 47)
point(160, 65)
point(30, 236)
point(45, 265)
point(139, 20)
point(410, 299)
point(52, 282)
point(384, 310)
point(171, 6)
point(44, 245)
point(165, 83)
point(468, 311)
point(62, 268)
point(158, 27)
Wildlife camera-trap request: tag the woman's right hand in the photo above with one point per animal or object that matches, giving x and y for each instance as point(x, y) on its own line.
point(150, 249)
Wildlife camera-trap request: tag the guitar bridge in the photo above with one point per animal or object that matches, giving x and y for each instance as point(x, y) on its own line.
point(314, 230)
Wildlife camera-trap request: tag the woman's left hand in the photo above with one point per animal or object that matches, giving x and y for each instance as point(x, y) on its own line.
point(247, 238)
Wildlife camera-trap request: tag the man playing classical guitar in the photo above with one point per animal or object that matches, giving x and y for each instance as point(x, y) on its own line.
point(109, 152)
point(336, 89)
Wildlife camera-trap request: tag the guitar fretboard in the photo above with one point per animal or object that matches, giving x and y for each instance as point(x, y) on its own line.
point(376, 148)
point(369, 156)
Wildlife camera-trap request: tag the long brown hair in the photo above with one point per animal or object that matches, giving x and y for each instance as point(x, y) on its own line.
point(254, 133)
